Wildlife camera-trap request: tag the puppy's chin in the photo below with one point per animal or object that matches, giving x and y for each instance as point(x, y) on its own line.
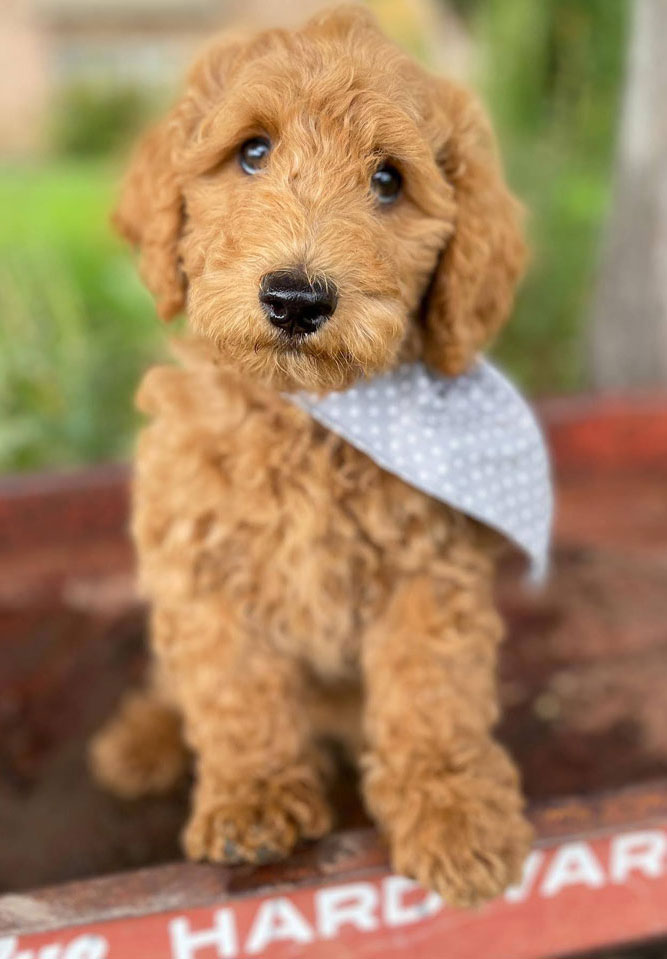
point(335, 357)
point(290, 367)
point(298, 365)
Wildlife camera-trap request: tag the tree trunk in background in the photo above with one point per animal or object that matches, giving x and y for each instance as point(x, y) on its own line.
point(629, 326)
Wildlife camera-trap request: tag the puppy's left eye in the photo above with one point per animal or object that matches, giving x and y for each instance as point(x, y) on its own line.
point(254, 154)
point(386, 183)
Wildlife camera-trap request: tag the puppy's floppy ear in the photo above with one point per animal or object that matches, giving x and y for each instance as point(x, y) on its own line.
point(149, 216)
point(472, 290)
point(150, 211)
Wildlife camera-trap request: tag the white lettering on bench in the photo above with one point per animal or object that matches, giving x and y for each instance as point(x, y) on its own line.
point(396, 912)
point(83, 947)
point(8, 948)
point(354, 904)
point(277, 920)
point(185, 943)
point(86, 947)
point(531, 867)
point(574, 864)
point(644, 852)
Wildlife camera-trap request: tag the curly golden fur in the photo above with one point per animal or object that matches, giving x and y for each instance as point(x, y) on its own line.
point(296, 588)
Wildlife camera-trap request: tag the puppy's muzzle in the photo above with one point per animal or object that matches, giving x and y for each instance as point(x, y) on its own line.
point(295, 304)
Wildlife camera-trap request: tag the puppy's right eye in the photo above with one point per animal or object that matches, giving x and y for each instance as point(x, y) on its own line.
point(254, 155)
point(386, 183)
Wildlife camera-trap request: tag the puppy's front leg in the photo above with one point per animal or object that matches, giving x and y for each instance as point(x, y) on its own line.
point(258, 788)
point(444, 792)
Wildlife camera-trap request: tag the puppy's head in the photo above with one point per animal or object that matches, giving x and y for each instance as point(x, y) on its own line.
point(324, 208)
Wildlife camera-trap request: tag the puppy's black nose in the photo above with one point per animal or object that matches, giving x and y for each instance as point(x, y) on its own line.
point(295, 304)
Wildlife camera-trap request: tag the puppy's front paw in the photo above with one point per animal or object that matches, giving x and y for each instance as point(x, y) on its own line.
point(459, 834)
point(467, 853)
point(256, 822)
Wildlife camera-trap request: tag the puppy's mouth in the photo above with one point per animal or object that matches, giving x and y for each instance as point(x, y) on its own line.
point(286, 342)
point(301, 347)
point(313, 352)
point(293, 341)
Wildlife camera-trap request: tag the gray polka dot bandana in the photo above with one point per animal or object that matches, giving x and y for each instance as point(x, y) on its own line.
point(470, 441)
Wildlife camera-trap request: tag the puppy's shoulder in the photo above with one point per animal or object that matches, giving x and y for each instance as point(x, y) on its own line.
point(184, 389)
point(200, 402)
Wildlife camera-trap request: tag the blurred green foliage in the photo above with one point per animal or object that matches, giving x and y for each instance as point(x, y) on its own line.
point(552, 76)
point(94, 119)
point(77, 328)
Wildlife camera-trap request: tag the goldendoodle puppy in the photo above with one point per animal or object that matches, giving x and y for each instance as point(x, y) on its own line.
point(323, 209)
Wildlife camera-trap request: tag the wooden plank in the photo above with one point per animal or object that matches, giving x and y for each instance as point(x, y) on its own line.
point(612, 433)
point(597, 876)
point(60, 509)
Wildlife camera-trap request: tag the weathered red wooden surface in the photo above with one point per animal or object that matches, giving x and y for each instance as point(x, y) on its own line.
point(583, 677)
point(598, 874)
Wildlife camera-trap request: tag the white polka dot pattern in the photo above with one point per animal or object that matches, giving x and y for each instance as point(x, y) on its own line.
point(470, 441)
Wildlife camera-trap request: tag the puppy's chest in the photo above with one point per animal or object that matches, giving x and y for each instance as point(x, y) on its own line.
point(313, 534)
point(302, 487)
point(244, 497)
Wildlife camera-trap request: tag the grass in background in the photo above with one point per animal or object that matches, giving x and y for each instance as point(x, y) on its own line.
point(76, 327)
